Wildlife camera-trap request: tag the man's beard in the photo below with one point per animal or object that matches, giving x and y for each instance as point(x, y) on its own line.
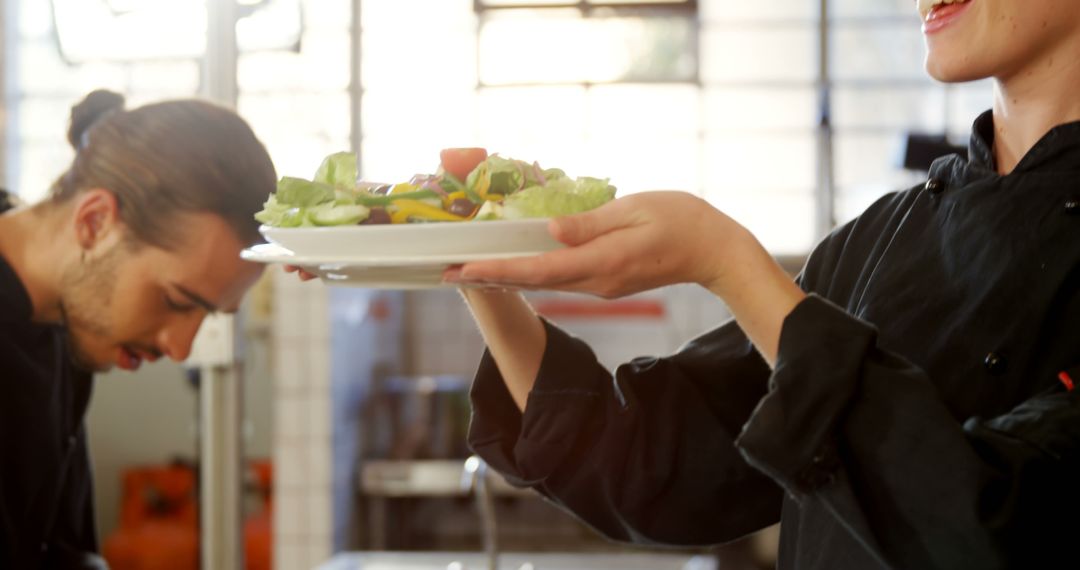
point(86, 291)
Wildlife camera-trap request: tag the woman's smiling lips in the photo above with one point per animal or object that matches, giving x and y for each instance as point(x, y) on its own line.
point(941, 15)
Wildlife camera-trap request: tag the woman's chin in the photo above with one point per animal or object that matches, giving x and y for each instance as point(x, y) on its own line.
point(952, 71)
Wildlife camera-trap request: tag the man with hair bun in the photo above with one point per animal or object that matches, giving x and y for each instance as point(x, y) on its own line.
point(136, 242)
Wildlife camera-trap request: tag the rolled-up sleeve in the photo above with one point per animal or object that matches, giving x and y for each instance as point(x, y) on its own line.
point(528, 447)
point(645, 455)
point(792, 433)
point(865, 433)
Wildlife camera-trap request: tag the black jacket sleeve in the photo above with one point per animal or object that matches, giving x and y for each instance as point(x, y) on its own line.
point(646, 456)
point(705, 445)
point(864, 432)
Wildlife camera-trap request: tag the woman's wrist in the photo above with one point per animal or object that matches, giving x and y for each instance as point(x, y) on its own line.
point(514, 335)
point(490, 296)
point(757, 291)
point(729, 259)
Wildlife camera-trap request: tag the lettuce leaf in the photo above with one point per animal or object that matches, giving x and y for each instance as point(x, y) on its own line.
point(299, 192)
point(338, 169)
point(559, 197)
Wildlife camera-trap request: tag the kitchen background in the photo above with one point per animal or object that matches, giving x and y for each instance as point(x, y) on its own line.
point(790, 115)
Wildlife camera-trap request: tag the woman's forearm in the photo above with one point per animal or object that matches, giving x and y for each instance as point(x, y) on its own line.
point(514, 335)
point(759, 294)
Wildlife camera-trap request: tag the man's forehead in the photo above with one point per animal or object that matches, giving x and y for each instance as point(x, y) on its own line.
point(218, 288)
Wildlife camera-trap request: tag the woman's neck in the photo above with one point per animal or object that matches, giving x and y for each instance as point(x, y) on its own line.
point(27, 240)
point(1033, 100)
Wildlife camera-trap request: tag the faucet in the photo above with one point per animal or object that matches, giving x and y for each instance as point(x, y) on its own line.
point(475, 479)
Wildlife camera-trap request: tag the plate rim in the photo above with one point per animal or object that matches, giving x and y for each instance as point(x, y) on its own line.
point(288, 256)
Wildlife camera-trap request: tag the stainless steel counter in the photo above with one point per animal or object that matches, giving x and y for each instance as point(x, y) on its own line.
point(516, 561)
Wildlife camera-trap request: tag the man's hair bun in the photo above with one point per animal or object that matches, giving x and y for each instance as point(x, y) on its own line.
point(96, 105)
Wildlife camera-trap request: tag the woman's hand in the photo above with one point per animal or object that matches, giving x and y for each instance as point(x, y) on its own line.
point(632, 244)
point(649, 240)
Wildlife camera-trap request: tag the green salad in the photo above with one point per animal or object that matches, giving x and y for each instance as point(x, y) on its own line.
point(468, 185)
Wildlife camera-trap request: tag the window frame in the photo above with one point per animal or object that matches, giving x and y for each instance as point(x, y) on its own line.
point(688, 9)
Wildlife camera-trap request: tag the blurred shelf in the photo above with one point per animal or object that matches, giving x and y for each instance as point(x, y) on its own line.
point(427, 478)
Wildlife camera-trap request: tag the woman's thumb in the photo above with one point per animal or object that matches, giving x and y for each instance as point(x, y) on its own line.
point(580, 228)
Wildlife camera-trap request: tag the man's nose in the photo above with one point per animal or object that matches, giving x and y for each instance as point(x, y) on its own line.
point(176, 338)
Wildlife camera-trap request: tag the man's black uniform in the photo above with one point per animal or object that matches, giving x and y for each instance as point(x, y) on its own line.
point(46, 490)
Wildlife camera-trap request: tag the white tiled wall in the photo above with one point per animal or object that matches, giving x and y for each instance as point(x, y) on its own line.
point(302, 508)
point(440, 338)
point(443, 339)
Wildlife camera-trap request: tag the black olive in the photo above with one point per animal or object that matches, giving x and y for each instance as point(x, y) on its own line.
point(376, 216)
point(462, 207)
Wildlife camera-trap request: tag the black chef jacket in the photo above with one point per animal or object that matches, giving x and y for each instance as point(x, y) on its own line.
point(46, 492)
point(916, 417)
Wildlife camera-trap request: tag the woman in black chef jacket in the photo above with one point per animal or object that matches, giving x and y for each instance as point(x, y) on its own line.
point(906, 403)
point(135, 243)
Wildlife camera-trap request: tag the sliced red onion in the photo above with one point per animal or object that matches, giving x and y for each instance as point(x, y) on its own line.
point(521, 170)
point(433, 185)
point(539, 173)
point(428, 182)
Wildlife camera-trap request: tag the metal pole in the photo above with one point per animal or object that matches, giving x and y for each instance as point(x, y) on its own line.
point(825, 199)
point(9, 147)
point(356, 87)
point(220, 467)
point(220, 59)
point(476, 476)
point(221, 452)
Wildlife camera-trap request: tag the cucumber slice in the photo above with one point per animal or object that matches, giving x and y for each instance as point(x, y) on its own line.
point(330, 215)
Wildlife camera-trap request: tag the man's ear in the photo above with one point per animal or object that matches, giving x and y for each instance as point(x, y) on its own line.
point(96, 217)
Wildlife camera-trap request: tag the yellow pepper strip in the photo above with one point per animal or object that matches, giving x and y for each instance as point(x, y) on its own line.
point(405, 209)
point(449, 199)
point(404, 187)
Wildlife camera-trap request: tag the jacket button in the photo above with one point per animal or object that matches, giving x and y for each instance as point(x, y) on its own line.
point(1072, 206)
point(995, 363)
point(935, 186)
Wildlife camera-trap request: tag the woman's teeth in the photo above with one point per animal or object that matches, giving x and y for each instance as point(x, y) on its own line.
point(926, 5)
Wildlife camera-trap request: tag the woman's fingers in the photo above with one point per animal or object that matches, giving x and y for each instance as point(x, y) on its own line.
point(580, 228)
point(636, 243)
point(552, 270)
point(304, 275)
point(590, 249)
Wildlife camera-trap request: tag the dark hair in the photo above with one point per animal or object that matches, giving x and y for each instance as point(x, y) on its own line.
point(167, 158)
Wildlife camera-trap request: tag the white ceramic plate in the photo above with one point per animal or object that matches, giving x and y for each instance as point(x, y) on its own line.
point(402, 272)
point(402, 244)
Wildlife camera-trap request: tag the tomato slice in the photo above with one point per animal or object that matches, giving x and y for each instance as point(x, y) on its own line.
point(461, 161)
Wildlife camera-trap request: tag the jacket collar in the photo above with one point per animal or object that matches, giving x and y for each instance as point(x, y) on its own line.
point(15, 305)
point(1057, 150)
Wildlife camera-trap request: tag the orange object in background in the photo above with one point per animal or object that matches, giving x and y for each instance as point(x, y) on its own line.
point(258, 528)
point(159, 520)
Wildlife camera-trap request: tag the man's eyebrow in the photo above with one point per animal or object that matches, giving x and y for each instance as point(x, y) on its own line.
point(196, 298)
